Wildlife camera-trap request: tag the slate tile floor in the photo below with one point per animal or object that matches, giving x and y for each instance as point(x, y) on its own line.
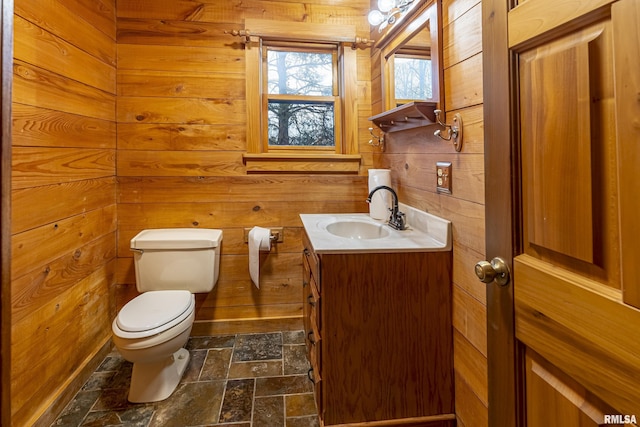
point(253, 380)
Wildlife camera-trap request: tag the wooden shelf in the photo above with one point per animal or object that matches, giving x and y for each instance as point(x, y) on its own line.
point(407, 116)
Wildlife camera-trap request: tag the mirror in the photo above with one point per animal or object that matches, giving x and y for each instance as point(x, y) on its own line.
point(410, 70)
point(410, 58)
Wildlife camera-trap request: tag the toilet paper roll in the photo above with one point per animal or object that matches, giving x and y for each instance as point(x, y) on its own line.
point(259, 240)
point(381, 200)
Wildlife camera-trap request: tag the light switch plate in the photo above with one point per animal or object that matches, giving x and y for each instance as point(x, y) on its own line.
point(443, 177)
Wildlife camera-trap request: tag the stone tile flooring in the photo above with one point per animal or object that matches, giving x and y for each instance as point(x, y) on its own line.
point(254, 380)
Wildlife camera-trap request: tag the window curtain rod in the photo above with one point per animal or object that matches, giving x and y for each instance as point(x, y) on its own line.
point(300, 32)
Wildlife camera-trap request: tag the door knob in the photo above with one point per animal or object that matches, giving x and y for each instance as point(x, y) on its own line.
point(497, 270)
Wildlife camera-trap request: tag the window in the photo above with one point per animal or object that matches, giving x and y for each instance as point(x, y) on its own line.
point(301, 82)
point(302, 98)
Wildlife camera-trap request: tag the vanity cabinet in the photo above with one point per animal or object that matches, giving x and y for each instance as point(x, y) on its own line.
point(379, 337)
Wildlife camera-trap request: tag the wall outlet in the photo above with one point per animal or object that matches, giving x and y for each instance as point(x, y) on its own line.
point(443, 177)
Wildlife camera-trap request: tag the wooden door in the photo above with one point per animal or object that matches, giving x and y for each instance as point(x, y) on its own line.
point(562, 113)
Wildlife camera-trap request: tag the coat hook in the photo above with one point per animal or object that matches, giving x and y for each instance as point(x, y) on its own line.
point(376, 140)
point(454, 131)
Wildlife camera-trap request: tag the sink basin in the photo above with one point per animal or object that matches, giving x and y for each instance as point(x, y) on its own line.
point(341, 233)
point(357, 230)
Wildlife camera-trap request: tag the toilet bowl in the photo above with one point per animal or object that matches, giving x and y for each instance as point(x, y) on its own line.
point(152, 329)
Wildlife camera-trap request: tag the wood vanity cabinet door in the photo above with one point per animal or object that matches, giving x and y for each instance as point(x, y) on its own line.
point(312, 319)
point(379, 337)
point(306, 307)
point(315, 358)
point(387, 339)
point(313, 262)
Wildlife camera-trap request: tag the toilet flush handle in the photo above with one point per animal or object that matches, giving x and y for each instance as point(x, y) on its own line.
point(140, 251)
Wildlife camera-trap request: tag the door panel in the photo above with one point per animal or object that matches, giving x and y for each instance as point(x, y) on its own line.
point(562, 397)
point(626, 34)
point(569, 306)
point(556, 134)
point(535, 19)
point(582, 327)
point(569, 185)
point(569, 124)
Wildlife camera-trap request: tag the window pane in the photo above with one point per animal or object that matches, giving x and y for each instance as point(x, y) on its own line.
point(300, 73)
point(412, 78)
point(301, 124)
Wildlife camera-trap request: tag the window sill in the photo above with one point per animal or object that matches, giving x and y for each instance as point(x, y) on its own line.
point(302, 163)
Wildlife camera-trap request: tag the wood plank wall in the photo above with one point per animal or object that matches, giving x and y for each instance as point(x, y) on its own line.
point(181, 135)
point(63, 197)
point(412, 156)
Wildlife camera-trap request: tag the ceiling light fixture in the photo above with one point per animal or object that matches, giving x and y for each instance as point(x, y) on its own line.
point(388, 12)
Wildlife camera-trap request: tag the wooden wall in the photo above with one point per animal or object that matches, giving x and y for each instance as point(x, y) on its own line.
point(174, 111)
point(181, 115)
point(412, 156)
point(63, 197)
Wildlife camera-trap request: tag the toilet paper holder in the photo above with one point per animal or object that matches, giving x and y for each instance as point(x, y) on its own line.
point(277, 234)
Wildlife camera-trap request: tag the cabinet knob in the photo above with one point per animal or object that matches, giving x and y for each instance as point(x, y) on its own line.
point(310, 299)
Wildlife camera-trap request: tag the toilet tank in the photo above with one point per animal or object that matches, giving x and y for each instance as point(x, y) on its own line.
point(177, 259)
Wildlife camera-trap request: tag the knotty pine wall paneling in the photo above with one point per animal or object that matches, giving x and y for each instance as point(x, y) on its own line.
point(412, 156)
point(63, 200)
point(181, 113)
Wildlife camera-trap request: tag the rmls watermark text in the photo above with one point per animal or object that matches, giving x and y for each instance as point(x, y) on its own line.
point(620, 419)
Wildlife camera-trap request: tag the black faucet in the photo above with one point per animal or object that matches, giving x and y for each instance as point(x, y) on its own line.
point(396, 220)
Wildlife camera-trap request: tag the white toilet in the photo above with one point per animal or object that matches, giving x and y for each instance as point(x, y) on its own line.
point(171, 265)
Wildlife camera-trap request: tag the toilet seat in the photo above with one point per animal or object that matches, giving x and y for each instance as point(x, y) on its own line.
point(153, 312)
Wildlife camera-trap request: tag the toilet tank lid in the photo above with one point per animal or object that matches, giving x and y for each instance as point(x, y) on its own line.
point(177, 238)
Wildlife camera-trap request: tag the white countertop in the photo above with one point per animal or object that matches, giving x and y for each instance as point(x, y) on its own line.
point(424, 233)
